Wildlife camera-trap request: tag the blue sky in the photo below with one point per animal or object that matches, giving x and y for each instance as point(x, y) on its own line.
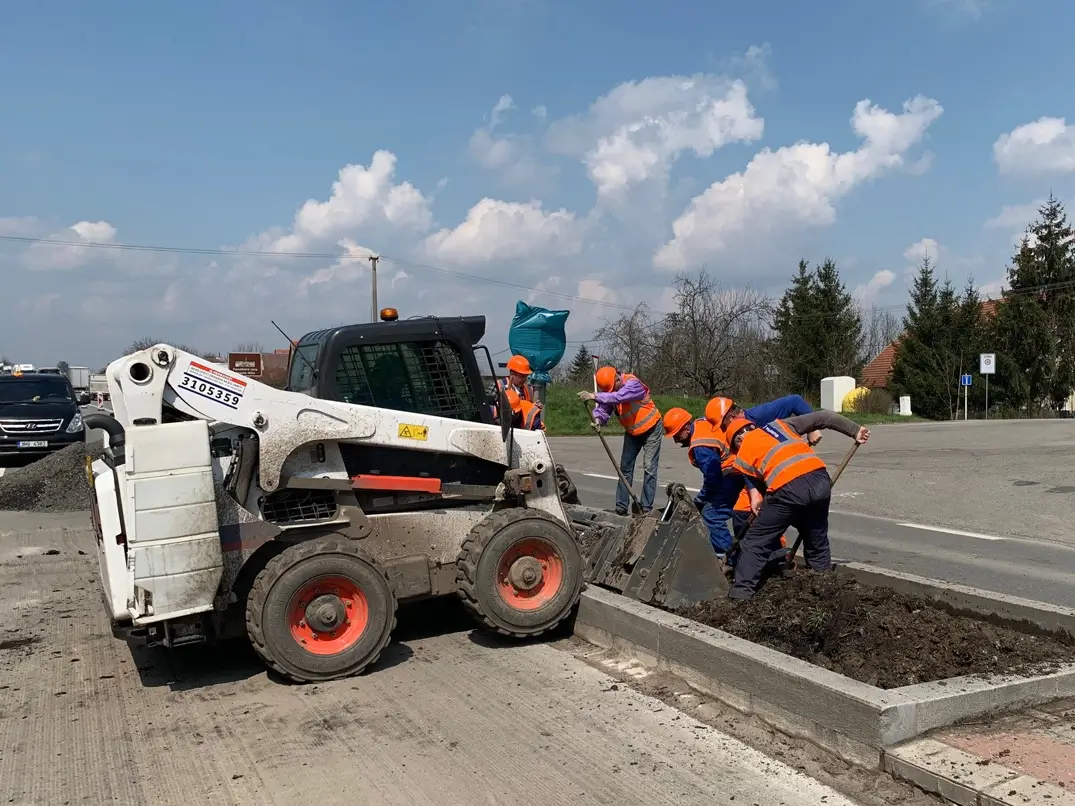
point(211, 126)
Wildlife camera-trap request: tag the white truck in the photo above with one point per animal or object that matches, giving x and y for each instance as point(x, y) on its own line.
point(80, 378)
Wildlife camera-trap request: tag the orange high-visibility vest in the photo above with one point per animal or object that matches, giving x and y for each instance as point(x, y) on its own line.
point(525, 392)
point(742, 503)
point(774, 454)
point(706, 436)
point(638, 416)
point(530, 413)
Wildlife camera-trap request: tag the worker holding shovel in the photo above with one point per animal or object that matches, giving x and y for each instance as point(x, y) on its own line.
point(798, 490)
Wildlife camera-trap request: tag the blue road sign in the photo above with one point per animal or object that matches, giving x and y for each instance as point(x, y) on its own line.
point(964, 380)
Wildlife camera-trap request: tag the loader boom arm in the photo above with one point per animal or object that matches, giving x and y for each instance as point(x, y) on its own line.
point(146, 384)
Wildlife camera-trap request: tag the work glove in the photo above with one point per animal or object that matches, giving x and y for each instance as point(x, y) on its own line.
point(595, 426)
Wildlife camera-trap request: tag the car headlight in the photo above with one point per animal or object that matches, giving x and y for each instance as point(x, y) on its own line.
point(76, 423)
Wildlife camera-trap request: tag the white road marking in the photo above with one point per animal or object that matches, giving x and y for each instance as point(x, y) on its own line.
point(615, 478)
point(959, 532)
point(2, 471)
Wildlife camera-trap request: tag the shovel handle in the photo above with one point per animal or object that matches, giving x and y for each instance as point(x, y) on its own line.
point(586, 404)
point(835, 478)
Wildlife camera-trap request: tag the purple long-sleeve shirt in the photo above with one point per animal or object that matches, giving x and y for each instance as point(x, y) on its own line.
point(631, 391)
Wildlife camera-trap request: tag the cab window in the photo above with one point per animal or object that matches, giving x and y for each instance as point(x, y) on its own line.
point(425, 377)
point(300, 377)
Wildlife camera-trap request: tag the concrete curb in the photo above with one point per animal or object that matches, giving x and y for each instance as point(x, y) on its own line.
point(963, 779)
point(852, 720)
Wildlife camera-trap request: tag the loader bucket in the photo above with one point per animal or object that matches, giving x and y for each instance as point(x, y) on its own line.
point(664, 561)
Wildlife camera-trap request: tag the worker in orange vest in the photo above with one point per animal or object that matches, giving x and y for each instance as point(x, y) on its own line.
point(706, 450)
point(524, 414)
point(518, 374)
point(721, 486)
point(624, 394)
point(798, 490)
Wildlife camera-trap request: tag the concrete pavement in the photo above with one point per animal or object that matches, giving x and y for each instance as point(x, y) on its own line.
point(1010, 478)
point(448, 716)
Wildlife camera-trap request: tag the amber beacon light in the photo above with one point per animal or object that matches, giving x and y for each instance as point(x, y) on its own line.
point(389, 314)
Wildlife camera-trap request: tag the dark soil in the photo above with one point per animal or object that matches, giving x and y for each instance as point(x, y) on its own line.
point(876, 635)
point(56, 483)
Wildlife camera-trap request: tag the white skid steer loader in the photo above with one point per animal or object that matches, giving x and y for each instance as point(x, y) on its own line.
point(303, 517)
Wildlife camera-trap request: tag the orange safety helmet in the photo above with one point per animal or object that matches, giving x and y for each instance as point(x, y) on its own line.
point(716, 408)
point(606, 378)
point(734, 428)
point(518, 363)
point(674, 420)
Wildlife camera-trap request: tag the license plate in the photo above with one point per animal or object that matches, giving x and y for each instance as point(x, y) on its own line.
point(38, 443)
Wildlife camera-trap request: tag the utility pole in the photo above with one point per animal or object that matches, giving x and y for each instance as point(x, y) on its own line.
point(373, 294)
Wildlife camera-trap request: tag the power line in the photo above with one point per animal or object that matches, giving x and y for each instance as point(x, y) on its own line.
point(190, 250)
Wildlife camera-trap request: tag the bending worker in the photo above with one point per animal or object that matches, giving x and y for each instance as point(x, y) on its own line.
point(641, 421)
point(721, 486)
point(798, 490)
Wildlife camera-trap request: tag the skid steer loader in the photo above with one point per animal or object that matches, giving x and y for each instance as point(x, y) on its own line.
point(302, 517)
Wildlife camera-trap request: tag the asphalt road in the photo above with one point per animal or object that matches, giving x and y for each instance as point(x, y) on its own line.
point(1007, 478)
point(1034, 569)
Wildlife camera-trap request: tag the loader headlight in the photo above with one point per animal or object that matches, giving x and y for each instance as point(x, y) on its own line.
point(76, 424)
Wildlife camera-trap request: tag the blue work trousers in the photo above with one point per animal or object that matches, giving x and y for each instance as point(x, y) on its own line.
point(648, 444)
point(717, 504)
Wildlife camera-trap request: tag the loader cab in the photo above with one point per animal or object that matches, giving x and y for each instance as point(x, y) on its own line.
point(427, 365)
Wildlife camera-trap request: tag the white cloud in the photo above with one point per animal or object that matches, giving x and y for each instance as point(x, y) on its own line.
point(50, 257)
point(794, 187)
point(511, 156)
point(503, 104)
point(1044, 146)
point(363, 198)
point(753, 66)
point(866, 293)
point(497, 230)
point(540, 112)
point(636, 131)
point(925, 248)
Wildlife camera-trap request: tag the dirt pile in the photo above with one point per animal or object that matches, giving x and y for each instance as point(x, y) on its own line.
point(876, 635)
point(56, 483)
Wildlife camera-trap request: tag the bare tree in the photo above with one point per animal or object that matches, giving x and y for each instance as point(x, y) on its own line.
point(145, 342)
point(712, 333)
point(880, 328)
point(249, 347)
point(627, 342)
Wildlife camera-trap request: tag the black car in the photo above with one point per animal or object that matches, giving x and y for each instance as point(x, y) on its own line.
point(39, 414)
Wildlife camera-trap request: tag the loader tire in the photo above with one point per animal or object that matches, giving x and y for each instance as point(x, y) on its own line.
point(520, 572)
point(321, 610)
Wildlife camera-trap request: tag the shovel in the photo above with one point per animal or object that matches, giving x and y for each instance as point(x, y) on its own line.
point(636, 505)
point(835, 478)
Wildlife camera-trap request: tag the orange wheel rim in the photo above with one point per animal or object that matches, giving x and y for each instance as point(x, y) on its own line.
point(530, 574)
point(328, 615)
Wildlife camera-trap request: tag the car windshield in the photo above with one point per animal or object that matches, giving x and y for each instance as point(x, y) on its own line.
point(34, 390)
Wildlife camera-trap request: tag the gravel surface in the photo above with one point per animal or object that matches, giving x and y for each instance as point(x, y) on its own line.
point(56, 483)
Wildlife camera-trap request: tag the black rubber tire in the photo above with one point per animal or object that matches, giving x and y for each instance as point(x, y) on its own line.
point(569, 493)
point(476, 570)
point(267, 605)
